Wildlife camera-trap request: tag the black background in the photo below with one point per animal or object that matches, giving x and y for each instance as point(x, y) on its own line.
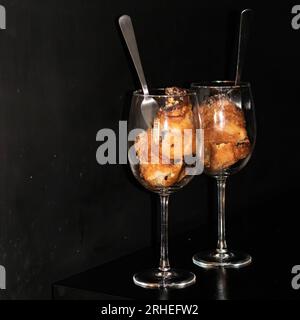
point(65, 74)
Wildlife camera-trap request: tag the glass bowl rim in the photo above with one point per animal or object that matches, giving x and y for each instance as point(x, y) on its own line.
point(219, 84)
point(139, 93)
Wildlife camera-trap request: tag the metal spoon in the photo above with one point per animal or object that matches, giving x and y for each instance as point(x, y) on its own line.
point(243, 39)
point(149, 106)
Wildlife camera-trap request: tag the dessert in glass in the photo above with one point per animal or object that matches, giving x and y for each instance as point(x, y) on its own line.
point(227, 115)
point(164, 154)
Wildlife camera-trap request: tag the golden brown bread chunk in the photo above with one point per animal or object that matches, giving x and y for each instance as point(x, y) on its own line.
point(161, 149)
point(175, 91)
point(222, 121)
point(146, 147)
point(177, 132)
point(177, 97)
point(242, 149)
point(217, 105)
point(225, 135)
point(156, 170)
point(160, 175)
point(222, 155)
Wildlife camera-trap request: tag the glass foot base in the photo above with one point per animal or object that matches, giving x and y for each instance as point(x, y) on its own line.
point(155, 278)
point(213, 259)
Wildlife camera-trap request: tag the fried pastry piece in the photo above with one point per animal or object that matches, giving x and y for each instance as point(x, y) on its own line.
point(150, 149)
point(221, 155)
point(222, 121)
point(146, 146)
point(161, 149)
point(177, 131)
point(175, 91)
point(177, 97)
point(225, 135)
point(242, 149)
point(160, 175)
point(154, 169)
point(207, 154)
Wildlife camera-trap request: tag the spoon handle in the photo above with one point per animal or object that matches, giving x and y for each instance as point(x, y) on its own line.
point(243, 39)
point(129, 36)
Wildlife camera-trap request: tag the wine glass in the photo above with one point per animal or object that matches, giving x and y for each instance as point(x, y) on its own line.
point(227, 115)
point(164, 154)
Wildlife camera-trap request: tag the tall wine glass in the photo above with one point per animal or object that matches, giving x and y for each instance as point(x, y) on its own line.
point(227, 116)
point(163, 155)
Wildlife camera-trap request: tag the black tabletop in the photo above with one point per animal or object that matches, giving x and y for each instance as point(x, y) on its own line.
point(268, 277)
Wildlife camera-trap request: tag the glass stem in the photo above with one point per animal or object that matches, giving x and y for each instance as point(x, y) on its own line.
point(221, 246)
point(164, 264)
